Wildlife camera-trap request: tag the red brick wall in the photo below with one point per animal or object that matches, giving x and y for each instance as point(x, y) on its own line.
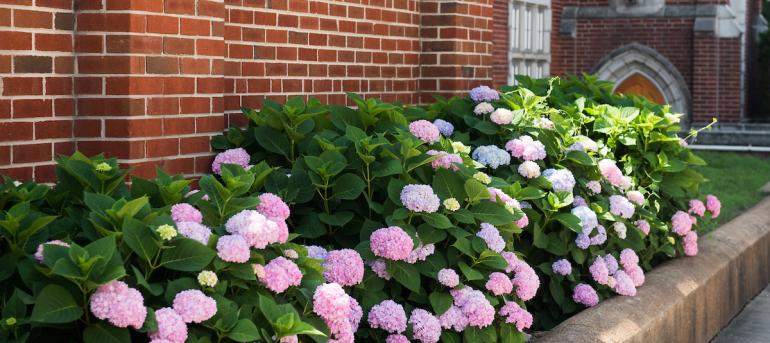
point(149, 81)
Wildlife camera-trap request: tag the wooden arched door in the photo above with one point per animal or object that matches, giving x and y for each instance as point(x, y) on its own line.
point(638, 84)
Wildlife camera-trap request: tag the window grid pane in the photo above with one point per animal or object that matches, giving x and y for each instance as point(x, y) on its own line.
point(529, 23)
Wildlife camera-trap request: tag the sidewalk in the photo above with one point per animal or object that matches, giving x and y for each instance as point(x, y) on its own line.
point(751, 325)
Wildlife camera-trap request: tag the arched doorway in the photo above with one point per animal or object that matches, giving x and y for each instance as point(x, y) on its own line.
point(638, 84)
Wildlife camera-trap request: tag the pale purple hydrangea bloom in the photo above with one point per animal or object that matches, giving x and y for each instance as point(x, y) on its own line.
point(501, 116)
point(516, 315)
point(119, 304)
point(194, 306)
point(583, 241)
point(444, 127)
point(561, 179)
point(562, 267)
point(601, 236)
point(713, 205)
point(184, 212)
point(389, 316)
point(40, 247)
point(635, 197)
point(425, 326)
point(525, 281)
point(588, 219)
point(690, 243)
point(599, 271)
point(628, 258)
point(448, 277)
point(611, 262)
point(620, 206)
point(643, 226)
point(380, 268)
point(237, 156)
point(585, 294)
point(636, 274)
point(529, 169)
point(273, 207)
point(233, 248)
point(425, 131)
point(484, 93)
point(344, 267)
point(392, 243)
point(579, 201)
point(445, 161)
point(316, 252)
point(192, 230)
point(697, 207)
point(543, 123)
point(526, 148)
point(280, 274)
point(620, 229)
point(254, 227)
point(681, 223)
point(171, 326)
point(594, 186)
point(396, 338)
point(420, 198)
point(420, 253)
point(454, 319)
point(512, 259)
point(475, 308)
point(483, 108)
point(499, 284)
point(492, 237)
point(491, 156)
point(623, 284)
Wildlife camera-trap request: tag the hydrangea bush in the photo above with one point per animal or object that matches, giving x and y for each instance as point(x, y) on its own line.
point(474, 219)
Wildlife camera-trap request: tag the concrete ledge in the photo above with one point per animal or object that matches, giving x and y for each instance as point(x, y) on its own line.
point(688, 299)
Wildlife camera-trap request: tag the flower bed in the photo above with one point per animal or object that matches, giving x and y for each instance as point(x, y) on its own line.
point(472, 219)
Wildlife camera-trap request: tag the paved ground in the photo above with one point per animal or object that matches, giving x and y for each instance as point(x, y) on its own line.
point(751, 325)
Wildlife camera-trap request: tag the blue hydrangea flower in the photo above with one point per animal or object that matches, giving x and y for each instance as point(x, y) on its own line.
point(446, 128)
point(491, 156)
point(561, 179)
point(484, 93)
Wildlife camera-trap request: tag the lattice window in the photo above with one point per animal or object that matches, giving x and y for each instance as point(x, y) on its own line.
point(529, 24)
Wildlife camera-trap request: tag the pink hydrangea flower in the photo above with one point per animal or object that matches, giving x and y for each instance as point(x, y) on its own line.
point(713, 205)
point(40, 247)
point(599, 271)
point(628, 258)
point(513, 261)
point(397, 338)
point(255, 228)
point(492, 237)
point(192, 230)
point(497, 193)
point(697, 207)
point(525, 281)
point(635, 273)
point(585, 294)
point(526, 148)
point(420, 198)
point(643, 226)
point(635, 197)
point(171, 326)
point(205, 197)
point(453, 318)
point(344, 267)
point(119, 304)
point(562, 267)
point(445, 161)
point(392, 243)
point(623, 284)
point(233, 248)
point(420, 253)
point(529, 169)
point(330, 302)
point(522, 222)
point(594, 186)
point(448, 277)
point(389, 316)
point(273, 207)
point(681, 223)
point(483, 108)
point(237, 156)
point(380, 268)
point(611, 262)
point(516, 315)
point(194, 306)
point(620, 206)
point(476, 309)
point(612, 173)
point(499, 284)
point(579, 201)
point(184, 212)
point(425, 131)
point(501, 116)
point(281, 273)
point(425, 326)
point(690, 243)
point(289, 339)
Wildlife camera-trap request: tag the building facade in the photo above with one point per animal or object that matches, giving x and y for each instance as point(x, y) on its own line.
point(150, 81)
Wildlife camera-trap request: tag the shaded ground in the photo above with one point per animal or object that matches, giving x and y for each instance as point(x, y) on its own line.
point(751, 325)
point(736, 179)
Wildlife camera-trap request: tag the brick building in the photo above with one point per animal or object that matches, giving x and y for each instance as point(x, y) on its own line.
point(149, 81)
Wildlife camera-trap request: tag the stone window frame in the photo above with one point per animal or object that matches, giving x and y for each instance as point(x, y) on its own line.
point(533, 59)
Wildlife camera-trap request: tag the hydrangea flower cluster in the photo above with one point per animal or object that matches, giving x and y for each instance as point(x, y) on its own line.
point(257, 230)
point(392, 243)
point(444, 127)
point(484, 93)
point(420, 253)
point(499, 284)
point(420, 198)
point(529, 169)
point(516, 315)
point(690, 243)
point(380, 268)
point(448, 277)
point(620, 206)
point(344, 267)
point(483, 108)
point(237, 156)
point(526, 148)
point(341, 312)
point(445, 161)
point(643, 226)
point(562, 267)
point(426, 328)
point(491, 156)
point(425, 131)
point(39, 252)
point(282, 273)
point(594, 186)
point(194, 306)
point(492, 237)
point(119, 304)
point(501, 116)
point(171, 326)
point(562, 180)
point(585, 294)
point(233, 248)
point(713, 205)
point(612, 173)
point(635, 197)
point(388, 316)
point(192, 230)
point(184, 212)
point(473, 309)
point(681, 223)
